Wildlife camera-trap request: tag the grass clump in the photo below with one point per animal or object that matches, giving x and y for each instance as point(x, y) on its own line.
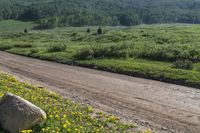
point(102, 51)
point(63, 115)
point(183, 64)
point(5, 46)
point(85, 54)
point(23, 45)
point(56, 48)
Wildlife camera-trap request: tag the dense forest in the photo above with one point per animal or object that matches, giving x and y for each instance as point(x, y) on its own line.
point(52, 13)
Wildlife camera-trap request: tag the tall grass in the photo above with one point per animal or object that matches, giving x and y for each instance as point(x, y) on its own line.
point(105, 50)
point(56, 47)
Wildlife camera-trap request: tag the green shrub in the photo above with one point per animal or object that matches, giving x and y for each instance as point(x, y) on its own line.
point(34, 50)
point(168, 52)
point(85, 54)
point(101, 51)
point(23, 45)
point(56, 48)
point(197, 67)
point(5, 46)
point(183, 64)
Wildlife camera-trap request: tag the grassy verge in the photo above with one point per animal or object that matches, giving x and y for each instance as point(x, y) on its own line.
point(146, 69)
point(62, 115)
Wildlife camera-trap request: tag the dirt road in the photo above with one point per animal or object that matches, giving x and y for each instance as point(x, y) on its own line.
point(151, 104)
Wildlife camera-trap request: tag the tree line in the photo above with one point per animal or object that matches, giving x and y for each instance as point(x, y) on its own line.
point(53, 13)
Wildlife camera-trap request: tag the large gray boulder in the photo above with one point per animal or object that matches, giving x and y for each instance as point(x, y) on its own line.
point(17, 114)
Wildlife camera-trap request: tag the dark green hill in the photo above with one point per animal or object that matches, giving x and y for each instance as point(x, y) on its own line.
point(101, 12)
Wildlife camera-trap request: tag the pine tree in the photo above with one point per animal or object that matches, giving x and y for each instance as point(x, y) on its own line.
point(88, 30)
point(99, 31)
point(25, 30)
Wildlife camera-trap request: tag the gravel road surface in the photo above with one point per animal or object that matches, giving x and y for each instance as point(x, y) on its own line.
point(151, 104)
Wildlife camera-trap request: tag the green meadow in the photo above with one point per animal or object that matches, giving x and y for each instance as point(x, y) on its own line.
point(165, 52)
point(15, 26)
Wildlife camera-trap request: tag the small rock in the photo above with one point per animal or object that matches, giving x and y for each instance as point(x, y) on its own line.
point(40, 86)
point(17, 114)
point(164, 128)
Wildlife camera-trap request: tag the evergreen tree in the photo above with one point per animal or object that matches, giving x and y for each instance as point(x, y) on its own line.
point(99, 31)
point(88, 30)
point(25, 30)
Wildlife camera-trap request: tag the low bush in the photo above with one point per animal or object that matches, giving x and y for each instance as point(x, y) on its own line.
point(183, 64)
point(85, 54)
point(197, 67)
point(106, 50)
point(34, 50)
point(5, 46)
point(56, 48)
point(167, 53)
point(23, 45)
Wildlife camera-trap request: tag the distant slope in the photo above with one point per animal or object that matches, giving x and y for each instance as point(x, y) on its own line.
point(103, 12)
point(15, 26)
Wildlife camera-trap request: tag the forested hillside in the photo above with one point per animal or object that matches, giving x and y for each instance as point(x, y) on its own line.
point(51, 13)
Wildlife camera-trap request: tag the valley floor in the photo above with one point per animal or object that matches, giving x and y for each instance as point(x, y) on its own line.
point(151, 104)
